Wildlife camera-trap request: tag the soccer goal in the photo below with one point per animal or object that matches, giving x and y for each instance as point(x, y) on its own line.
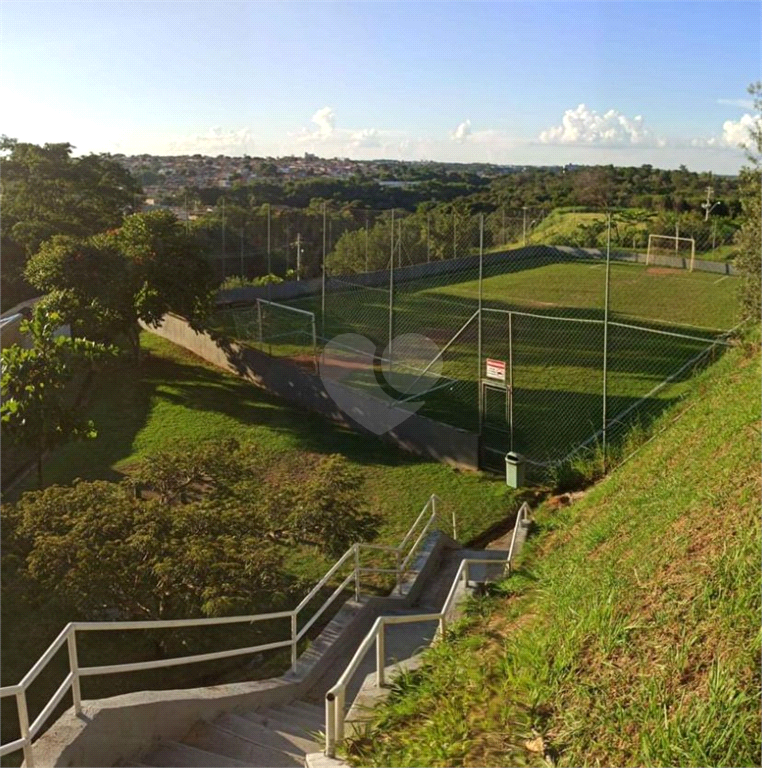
point(671, 245)
point(278, 329)
point(285, 327)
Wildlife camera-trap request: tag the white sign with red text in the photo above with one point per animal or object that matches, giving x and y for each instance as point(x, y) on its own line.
point(496, 369)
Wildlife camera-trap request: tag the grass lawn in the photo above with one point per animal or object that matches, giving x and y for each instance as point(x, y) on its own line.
point(175, 395)
point(557, 366)
point(629, 634)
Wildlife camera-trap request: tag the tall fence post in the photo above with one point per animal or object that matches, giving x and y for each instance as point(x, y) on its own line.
point(510, 376)
point(479, 325)
point(322, 283)
point(76, 693)
point(391, 296)
point(367, 241)
point(606, 336)
point(428, 237)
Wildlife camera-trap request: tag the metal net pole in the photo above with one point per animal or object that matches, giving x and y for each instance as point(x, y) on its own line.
point(322, 282)
point(606, 333)
point(391, 294)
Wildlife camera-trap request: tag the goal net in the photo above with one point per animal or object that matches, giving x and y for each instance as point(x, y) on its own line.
point(661, 246)
point(278, 329)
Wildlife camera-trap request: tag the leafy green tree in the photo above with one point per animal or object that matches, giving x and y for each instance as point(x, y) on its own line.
point(197, 530)
point(37, 409)
point(748, 238)
point(106, 284)
point(48, 192)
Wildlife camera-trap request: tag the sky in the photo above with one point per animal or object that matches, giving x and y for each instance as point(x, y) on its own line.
point(522, 83)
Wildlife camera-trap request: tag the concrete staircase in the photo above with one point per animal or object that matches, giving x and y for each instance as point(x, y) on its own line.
point(277, 736)
point(283, 734)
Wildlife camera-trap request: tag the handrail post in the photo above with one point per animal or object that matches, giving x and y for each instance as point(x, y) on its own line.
point(76, 693)
point(23, 713)
point(330, 725)
point(380, 655)
point(293, 639)
point(357, 572)
point(398, 566)
point(442, 625)
point(340, 716)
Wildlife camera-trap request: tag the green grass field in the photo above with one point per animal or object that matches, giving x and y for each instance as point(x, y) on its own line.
point(557, 363)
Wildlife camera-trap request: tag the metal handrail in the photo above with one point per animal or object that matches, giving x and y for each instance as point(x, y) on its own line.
point(522, 517)
point(69, 636)
point(335, 696)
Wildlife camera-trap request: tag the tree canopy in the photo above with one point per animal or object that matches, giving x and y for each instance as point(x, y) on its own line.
point(195, 530)
point(749, 237)
point(48, 192)
point(38, 407)
point(105, 284)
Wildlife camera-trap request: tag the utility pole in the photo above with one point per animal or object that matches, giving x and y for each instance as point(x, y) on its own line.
point(709, 206)
point(524, 208)
point(298, 256)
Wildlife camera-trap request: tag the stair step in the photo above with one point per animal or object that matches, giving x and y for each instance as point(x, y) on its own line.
point(280, 721)
point(173, 754)
point(311, 709)
point(313, 715)
point(268, 737)
point(209, 736)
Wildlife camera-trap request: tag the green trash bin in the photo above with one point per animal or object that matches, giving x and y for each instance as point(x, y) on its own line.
point(514, 470)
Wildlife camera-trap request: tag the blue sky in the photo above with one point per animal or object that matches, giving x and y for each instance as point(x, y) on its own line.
point(507, 82)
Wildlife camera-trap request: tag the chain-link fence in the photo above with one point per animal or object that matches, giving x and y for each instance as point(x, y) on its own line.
point(554, 331)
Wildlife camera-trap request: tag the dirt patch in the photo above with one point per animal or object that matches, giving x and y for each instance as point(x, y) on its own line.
point(663, 271)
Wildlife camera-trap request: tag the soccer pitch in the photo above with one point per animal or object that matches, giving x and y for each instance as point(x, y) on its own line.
point(544, 320)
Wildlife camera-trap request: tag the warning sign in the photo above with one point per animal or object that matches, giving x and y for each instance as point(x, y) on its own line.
point(496, 369)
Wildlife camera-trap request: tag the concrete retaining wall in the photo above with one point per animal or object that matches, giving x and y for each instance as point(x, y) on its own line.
point(416, 434)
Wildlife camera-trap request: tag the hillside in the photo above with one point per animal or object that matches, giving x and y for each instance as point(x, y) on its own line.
point(630, 633)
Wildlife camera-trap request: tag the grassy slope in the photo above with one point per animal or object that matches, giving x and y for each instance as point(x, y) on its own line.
point(630, 635)
point(564, 224)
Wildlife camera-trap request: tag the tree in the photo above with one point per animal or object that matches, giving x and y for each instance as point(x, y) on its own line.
point(37, 410)
point(749, 259)
point(106, 284)
point(197, 530)
point(47, 192)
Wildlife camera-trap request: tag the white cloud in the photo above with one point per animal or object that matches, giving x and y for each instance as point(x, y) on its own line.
point(738, 132)
point(216, 141)
point(325, 120)
point(743, 103)
point(462, 132)
point(365, 138)
point(586, 126)
point(735, 133)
